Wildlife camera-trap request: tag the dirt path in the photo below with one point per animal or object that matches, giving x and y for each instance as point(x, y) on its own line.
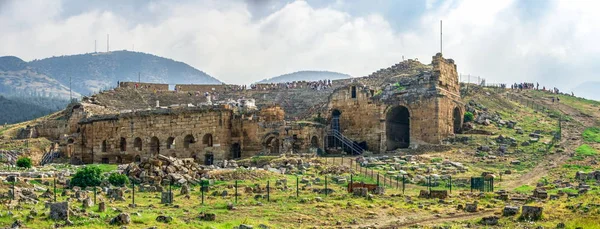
point(570, 140)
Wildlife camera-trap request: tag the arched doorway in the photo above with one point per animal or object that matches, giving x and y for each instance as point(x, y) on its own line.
point(137, 158)
point(123, 144)
point(103, 148)
point(70, 146)
point(154, 145)
point(188, 140)
point(137, 144)
point(457, 120)
point(207, 140)
point(335, 120)
point(314, 142)
point(171, 143)
point(397, 128)
point(209, 159)
point(119, 160)
point(272, 145)
point(236, 150)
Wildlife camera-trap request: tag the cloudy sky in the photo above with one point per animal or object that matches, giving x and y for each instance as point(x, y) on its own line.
point(553, 42)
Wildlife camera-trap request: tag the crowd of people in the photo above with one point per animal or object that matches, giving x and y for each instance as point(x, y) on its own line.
point(315, 85)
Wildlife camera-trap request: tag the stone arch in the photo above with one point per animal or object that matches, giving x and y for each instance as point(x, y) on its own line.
point(137, 158)
point(397, 128)
point(154, 145)
point(137, 144)
point(207, 140)
point(103, 147)
point(188, 140)
point(314, 142)
point(457, 120)
point(335, 119)
point(123, 144)
point(171, 143)
point(236, 150)
point(272, 144)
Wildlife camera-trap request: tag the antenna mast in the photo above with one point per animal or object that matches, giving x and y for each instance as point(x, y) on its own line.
point(441, 37)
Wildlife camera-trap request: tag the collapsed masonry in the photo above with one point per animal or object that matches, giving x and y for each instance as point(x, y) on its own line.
point(402, 106)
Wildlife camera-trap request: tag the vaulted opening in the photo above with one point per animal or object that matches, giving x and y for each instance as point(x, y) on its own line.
point(188, 140)
point(207, 140)
point(123, 144)
point(272, 145)
point(397, 128)
point(154, 145)
point(171, 143)
point(457, 120)
point(137, 144)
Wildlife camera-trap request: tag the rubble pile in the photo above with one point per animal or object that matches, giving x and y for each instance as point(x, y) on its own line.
point(163, 169)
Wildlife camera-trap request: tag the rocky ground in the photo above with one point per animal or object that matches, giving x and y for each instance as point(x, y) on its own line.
point(545, 175)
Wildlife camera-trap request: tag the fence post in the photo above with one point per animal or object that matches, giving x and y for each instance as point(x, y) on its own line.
point(403, 183)
point(397, 178)
point(377, 179)
point(13, 187)
point(95, 193)
point(236, 191)
point(326, 185)
point(297, 194)
point(268, 192)
point(171, 191)
point(55, 190)
point(450, 184)
point(202, 187)
point(132, 193)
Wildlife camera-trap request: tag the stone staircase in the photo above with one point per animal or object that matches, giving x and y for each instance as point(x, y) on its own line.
point(336, 139)
point(10, 156)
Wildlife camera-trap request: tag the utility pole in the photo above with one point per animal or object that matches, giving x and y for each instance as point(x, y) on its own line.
point(139, 77)
point(107, 42)
point(70, 91)
point(441, 36)
point(95, 46)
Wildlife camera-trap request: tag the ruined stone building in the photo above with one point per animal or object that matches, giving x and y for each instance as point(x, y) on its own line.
point(403, 106)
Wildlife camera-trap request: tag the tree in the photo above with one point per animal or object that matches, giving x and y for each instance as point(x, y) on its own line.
point(118, 179)
point(88, 176)
point(469, 117)
point(24, 162)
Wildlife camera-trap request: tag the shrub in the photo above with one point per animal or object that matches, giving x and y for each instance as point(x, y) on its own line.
point(24, 162)
point(586, 150)
point(118, 179)
point(469, 117)
point(592, 134)
point(88, 176)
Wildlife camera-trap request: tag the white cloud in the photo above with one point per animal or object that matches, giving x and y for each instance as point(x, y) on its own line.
point(487, 38)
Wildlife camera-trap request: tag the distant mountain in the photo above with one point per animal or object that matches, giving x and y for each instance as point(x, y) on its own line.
point(306, 76)
point(93, 72)
point(588, 90)
point(18, 78)
point(22, 108)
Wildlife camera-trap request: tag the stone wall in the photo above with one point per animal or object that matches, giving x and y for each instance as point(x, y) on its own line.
point(374, 113)
point(142, 85)
point(206, 87)
point(188, 132)
point(199, 133)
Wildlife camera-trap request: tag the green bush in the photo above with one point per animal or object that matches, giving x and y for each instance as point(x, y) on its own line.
point(88, 176)
point(118, 179)
point(24, 162)
point(586, 150)
point(592, 134)
point(469, 117)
